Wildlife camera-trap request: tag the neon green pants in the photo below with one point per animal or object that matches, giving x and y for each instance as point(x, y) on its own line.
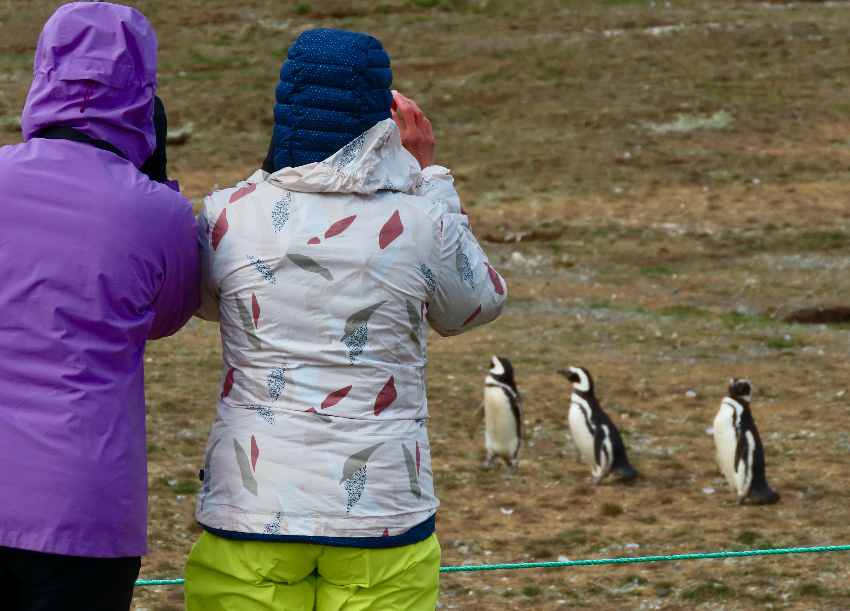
point(225, 575)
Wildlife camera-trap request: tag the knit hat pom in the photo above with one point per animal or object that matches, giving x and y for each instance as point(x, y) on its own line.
point(334, 86)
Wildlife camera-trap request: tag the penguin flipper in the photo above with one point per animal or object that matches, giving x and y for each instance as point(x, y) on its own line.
point(602, 452)
point(476, 420)
point(741, 485)
point(744, 463)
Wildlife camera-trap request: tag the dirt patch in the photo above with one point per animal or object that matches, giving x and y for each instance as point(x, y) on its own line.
point(820, 315)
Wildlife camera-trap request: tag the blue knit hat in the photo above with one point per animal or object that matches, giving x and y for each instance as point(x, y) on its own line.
point(334, 86)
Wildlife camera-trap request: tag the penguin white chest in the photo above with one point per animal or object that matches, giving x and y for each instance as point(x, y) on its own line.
point(501, 434)
point(726, 441)
point(582, 431)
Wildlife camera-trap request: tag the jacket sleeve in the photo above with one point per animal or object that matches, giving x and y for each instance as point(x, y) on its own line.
point(210, 294)
point(468, 292)
point(177, 299)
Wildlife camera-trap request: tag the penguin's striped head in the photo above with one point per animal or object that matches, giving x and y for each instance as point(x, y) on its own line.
point(580, 377)
point(501, 370)
point(740, 389)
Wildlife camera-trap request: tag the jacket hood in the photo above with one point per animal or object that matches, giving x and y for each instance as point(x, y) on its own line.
point(95, 70)
point(373, 161)
point(334, 86)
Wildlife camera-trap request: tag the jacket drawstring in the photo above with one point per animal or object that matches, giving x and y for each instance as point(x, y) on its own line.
point(89, 91)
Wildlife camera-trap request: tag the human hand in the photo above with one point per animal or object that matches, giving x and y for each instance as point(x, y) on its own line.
point(415, 128)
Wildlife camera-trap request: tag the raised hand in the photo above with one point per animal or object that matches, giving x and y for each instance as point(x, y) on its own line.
point(415, 128)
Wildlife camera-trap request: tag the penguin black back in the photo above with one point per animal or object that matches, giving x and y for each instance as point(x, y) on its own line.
point(620, 463)
point(750, 448)
point(584, 387)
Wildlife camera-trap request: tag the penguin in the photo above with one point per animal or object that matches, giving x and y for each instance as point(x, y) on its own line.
point(598, 441)
point(740, 454)
point(502, 413)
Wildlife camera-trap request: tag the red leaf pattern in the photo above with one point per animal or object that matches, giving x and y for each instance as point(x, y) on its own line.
point(494, 278)
point(471, 318)
point(386, 532)
point(340, 226)
point(240, 193)
point(255, 453)
point(220, 229)
point(228, 383)
point(335, 397)
point(390, 231)
point(386, 396)
point(255, 308)
point(314, 240)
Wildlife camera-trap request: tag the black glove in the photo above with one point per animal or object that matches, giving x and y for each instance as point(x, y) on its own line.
point(154, 166)
point(268, 164)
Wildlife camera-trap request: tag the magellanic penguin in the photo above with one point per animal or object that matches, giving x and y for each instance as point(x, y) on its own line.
point(597, 439)
point(739, 450)
point(502, 415)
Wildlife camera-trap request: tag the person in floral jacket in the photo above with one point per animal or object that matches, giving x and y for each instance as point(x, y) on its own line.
point(318, 488)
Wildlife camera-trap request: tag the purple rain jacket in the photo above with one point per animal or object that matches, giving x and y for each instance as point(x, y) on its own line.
point(95, 258)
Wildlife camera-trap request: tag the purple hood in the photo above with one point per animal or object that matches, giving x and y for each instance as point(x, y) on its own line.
point(95, 70)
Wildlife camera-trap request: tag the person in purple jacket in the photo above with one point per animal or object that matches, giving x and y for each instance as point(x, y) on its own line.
point(95, 259)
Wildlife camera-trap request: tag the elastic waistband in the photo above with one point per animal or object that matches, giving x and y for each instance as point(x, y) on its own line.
point(416, 534)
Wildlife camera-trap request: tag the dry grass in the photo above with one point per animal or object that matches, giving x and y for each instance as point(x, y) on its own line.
point(664, 261)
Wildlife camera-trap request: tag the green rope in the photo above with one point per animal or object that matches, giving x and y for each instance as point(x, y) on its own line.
point(160, 582)
point(553, 565)
point(547, 565)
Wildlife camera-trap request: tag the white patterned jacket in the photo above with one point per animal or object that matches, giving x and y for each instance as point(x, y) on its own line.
point(323, 277)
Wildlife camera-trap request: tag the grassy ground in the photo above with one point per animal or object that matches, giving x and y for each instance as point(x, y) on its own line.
point(661, 187)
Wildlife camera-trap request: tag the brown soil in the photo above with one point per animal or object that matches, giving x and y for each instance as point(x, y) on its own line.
point(665, 272)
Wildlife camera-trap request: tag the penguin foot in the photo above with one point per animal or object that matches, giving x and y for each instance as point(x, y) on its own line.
point(596, 480)
point(626, 474)
point(740, 501)
point(768, 498)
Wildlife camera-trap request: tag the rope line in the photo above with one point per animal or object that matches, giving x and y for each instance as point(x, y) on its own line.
point(552, 565)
